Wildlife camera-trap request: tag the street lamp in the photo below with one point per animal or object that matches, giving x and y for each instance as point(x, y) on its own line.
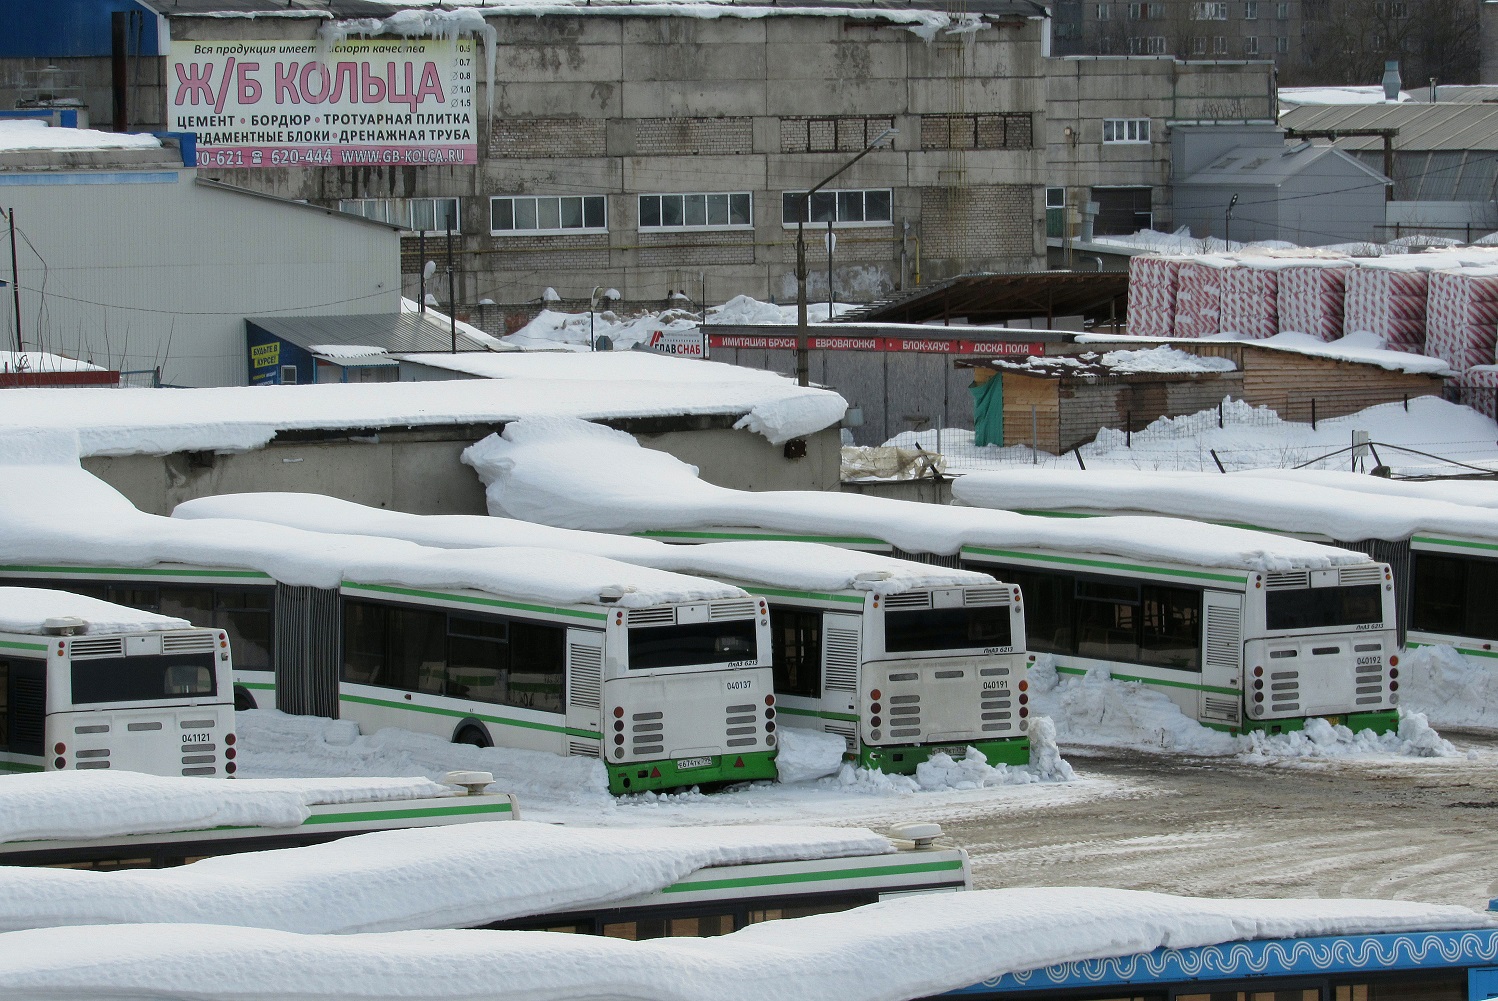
point(803, 358)
point(610, 294)
point(1227, 226)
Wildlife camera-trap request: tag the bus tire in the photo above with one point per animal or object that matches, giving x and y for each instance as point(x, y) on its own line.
point(474, 733)
point(243, 699)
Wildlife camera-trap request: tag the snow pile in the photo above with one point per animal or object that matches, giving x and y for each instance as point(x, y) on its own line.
point(26, 610)
point(942, 773)
point(42, 361)
point(743, 309)
point(1365, 347)
point(1338, 95)
point(459, 876)
point(30, 134)
point(73, 804)
point(1473, 491)
point(347, 350)
point(802, 566)
point(1310, 509)
point(909, 946)
point(1451, 689)
point(243, 418)
point(578, 475)
point(1096, 710)
point(808, 754)
point(1164, 359)
point(52, 512)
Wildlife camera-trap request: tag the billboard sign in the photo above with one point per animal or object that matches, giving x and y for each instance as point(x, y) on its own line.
point(685, 343)
point(360, 102)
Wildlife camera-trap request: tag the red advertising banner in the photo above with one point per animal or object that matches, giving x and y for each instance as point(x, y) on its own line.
point(306, 104)
point(928, 345)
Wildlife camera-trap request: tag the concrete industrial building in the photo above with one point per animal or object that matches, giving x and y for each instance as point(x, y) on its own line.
point(676, 137)
point(130, 260)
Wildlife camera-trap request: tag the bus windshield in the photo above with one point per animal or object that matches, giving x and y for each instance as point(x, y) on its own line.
point(705, 643)
point(1323, 607)
point(144, 679)
point(946, 629)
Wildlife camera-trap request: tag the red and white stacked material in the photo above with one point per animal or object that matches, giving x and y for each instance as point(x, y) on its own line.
point(1199, 296)
point(1249, 299)
point(1152, 294)
point(1483, 380)
point(1309, 297)
point(1461, 324)
point(1387, 296)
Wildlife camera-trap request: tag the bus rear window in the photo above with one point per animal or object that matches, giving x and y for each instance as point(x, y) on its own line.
point(946, 629)
point(1324, 607)
point(144, 679)
point(689, 645)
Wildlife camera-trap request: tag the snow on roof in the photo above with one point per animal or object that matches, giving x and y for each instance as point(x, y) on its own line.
point(27, 609)
point(240, 418)
point(1473, 490)
point(42, 361)
point(348, 350)
point(578, 475)
point(52, 511)
point(1162, 360)
point(601, 366)
point(1311, 508)
point(802, 566)
point(74, 804)
point(1337, 95)
point(905, 947)
point(1364, 348)
point(31, 134)
point(458, 876)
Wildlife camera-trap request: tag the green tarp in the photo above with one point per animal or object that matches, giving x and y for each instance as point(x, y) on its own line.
point(988, 411)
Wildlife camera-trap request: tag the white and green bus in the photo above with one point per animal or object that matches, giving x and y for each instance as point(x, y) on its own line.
point(900, 660)
point(670, 690)
point(89, 685)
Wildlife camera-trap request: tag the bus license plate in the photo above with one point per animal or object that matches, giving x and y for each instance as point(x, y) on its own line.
point(957, 752)
point(686, 764)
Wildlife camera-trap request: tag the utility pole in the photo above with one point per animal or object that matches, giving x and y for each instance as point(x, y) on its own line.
point(421, 251)
point(15, 280)
point(452, 293)
point(1227, 226)
point(803, 355)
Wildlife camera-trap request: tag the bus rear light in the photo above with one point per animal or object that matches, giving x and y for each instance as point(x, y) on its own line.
point(1023, 698)
point(1393, 672)
point(61, 748)
point(231, 768)
point(769, 714)
point(1258, 672)
point(229, 753)
point(1258, 684)
point(618, 712)
point(874, 734)
point(1393, 686)
point(618, 738)
point(60, 763)
point(874, 695)
point(1024, 686)
point(873, 707)
point(229, 739)
point(769, 700)
point(769, 727)
point(1394, 660)
point(1023, 712)
point(619, 726)
point(618, 752)
point(1258, 696)
point(873, 721)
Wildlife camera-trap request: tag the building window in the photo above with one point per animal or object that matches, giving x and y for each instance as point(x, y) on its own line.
point(288, 375)
point(716, 211)
point(1198, 46)
point(1104, 11)
point(1055, 198)
point(1282, 45)
point(527, 214)
point(1251, 46)
point(1250, 10)
point(1152, 45)
point(415, 215)
point(1105, 46)
point(1126, 130)
point(844, 208)
point(1138, 11)
point(1220, 45)
point(1209, 12)
point(1282, 11)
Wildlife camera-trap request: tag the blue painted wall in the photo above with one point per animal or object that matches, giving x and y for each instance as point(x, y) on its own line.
point(70, 28)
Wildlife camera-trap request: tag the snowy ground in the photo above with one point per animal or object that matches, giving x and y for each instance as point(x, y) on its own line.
point(576, 331)
point(574, 790)
point(1254, 437)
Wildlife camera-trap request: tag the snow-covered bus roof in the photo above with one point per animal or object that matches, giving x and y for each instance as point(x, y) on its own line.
point(241, 418)
point(434, 877)
point(1471, 489)
point(54, 512)
point(905, 947)
point(33, 609)
point(1306, 508)
point(578, 475)
point(802, 566)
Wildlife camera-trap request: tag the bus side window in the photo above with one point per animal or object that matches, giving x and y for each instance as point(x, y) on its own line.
point(538, 665)
point(1048, 606)
point(796, 652)
point(4, 705)
point(246, 615)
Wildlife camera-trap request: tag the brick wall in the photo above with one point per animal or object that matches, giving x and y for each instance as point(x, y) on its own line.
point(693, 136)
point(989, 220)
point(846, 133)
point(530, 137)
point(996, 131)
point(543, 252)
point(673, 250)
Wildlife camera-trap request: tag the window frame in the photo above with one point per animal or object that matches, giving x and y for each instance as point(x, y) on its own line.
point(708, 227)
point(559, 229)
point(400, 212)
point(790, 223)
point(1139, 127)
point(1250, 10)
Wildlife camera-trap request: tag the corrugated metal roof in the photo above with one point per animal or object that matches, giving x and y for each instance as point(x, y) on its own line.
point(1269, 167)
point(394, 332)
point(1421, 126)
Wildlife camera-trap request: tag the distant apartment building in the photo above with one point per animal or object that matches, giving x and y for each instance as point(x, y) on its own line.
point(1185, 29)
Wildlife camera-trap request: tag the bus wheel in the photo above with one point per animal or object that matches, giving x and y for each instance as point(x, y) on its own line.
point(243, 699)
point(474, 734)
